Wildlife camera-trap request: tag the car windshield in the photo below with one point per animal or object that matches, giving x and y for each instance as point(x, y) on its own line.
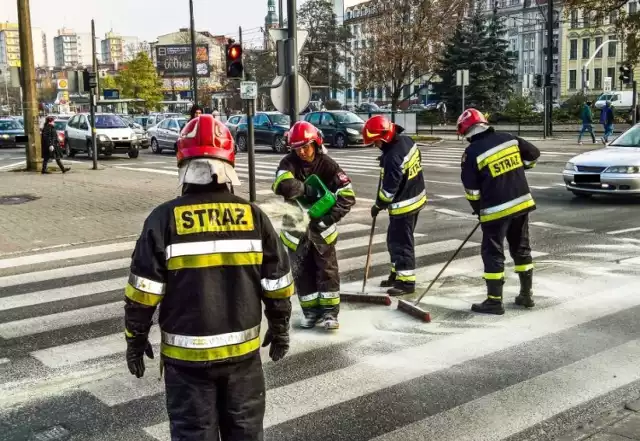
point(109, 122)
point(279, 119)
point(9, 125)
point(348, 118)
point(60, 125)
point(605, 97)
point(630, 138)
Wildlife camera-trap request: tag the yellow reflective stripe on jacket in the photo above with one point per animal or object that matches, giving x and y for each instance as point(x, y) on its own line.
point(385, 196)
point(329, 298)
point(346, 191)
point(310, 300)
point(147, 285)
point(144, 298)
point(210, 348)
point(409, 205)
point(494, 276)
point(411, 158)
point(281, 288)
point(231, 252)
point(289, 240)
point(281, 175)
point(529, 164)
point(472, 195)
point(330, 234)
point(508, 208)
point(500, 151)
point(523, 268)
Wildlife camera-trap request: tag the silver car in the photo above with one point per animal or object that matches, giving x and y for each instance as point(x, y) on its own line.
point(613, 170)
point(164, 136)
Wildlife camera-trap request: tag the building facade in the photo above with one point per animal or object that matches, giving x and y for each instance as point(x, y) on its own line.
point(65, 48)
point(112, 48)
point(10, 47)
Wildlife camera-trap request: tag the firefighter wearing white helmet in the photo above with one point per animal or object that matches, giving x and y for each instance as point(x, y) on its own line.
point(495, 185)
point(211, 259)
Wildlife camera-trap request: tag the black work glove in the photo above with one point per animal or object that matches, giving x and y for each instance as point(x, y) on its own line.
point(135, 356)
point(321, 223)
point(310, 193)
point(375, 210)
point(279, 344)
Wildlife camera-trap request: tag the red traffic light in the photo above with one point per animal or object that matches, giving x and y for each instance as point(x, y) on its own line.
point(234, 52)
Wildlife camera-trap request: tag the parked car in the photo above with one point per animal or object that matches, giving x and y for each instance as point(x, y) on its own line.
point(142, 134)
point(340, 128)
point(155, 118)
point(113, 135)
point(269, 128)
point(613, 170)
point(11, 132)
point(164, 136)
point(142, 120)
point(60, 123)
point(232, 124)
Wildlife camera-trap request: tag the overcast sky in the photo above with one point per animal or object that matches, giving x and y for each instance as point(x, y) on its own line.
point(146, 19)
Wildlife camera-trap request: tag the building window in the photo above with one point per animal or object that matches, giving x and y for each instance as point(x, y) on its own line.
point(633, 7)
point(573, 50)
point(574, 19)
point(598, 43)
point(572, 79)
point(611, 73)
point(612, 47)
point(599, 19)
point(597, 73)
point(613, 17)
point(585, 47)
point(586, 19)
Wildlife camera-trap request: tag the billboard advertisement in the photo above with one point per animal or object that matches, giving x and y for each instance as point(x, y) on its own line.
point(174, 60)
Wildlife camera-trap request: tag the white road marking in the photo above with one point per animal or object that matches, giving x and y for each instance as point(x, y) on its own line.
point(529, 172)
point(149, 170)
point(550, 394)
point(631, 261)
point(4, 360)
point(535, 187)
point(459, 184)
point(364, 241)
point(12, 166)
point(68, 254)
point(449, 196)
point(560, 227)
point(263, 192)
point(455, 213)
point(627, 230)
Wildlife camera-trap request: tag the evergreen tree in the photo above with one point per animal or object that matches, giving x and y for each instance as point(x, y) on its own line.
point(501, 62)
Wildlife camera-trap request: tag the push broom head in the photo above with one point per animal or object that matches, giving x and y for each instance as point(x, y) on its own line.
point(361, 297)
point(414, 311)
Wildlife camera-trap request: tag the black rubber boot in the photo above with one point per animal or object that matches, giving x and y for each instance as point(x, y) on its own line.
point(44, 167)
point(402, 288)
point(526, 284)
point(390, 281)
point(493, 303)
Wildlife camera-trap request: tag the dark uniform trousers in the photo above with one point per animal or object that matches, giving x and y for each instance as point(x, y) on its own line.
point(516, 231)
point(225, 402)
point(401, 246)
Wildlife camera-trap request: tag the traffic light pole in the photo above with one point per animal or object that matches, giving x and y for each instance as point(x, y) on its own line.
point(635, 104)
point(292, 60)
point(549, 87)
point(250, 138)
point(92, 97)
point(194, 77)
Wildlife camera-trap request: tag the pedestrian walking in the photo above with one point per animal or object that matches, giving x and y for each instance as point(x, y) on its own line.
point(316, 274)
point(606, 119)
point(495, 185)
point(195, 111)
point(50, 146)
point(587, 122)
point(442, 109)
point(211, 258)
point(403, 193)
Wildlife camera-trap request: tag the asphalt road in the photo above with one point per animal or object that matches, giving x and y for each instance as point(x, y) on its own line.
point(530, 374)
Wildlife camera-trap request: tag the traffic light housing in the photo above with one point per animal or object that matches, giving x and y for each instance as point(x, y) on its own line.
point(85, 81)
point(233, 52)
point(626, 74)
point(537, 80)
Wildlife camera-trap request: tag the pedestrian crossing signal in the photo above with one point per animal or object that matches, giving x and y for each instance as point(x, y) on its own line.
point(235, 69)
point(625, 74)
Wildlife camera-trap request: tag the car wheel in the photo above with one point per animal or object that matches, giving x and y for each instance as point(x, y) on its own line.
point(155, 148)
point(581, 195)
point(340, 141)
point(133, 153)
point(241, 142)
point(279, 144)
point(68, 151)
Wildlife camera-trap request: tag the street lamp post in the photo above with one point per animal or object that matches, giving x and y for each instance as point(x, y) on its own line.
point(584, 67)
point(194, 77)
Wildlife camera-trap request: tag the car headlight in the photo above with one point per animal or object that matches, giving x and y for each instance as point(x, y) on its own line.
point(570, 166)
point(352, 132)
point(5, 136)
point(103, 138)
point(629, 169)
point(133, 137)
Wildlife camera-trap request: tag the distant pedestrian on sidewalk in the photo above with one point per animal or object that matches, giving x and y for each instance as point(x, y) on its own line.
point(587, 122)
point(606, 119)
point(195, 111)
point(50, 146)
point(442, 108)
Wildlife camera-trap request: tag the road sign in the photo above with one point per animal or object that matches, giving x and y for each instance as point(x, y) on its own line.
point(462, 77)
point(248, 90)
point(526, 92)
point(281, 34)
point(607, 84)
point(280, 95)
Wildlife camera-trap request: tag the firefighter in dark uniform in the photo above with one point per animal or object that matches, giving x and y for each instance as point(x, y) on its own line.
point(402, 192)
point(493, 175)
point(211, 259)
point(313, 247)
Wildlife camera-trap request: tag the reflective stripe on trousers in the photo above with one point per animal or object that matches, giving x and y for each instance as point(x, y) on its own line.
point(408, 205)
point(506, 209)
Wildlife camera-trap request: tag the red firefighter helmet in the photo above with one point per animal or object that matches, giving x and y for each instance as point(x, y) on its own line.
point(378, 128)
point(206, 137)
point(303, 133)
point(468, 119)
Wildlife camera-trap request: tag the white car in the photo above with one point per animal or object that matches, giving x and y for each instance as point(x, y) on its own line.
point(113, 135)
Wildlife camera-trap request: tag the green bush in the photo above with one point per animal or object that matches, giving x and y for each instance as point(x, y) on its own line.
point(333, 105)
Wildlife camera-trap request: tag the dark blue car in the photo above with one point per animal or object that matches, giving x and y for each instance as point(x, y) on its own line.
point(11, 133)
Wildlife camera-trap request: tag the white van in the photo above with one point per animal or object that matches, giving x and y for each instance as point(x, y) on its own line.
point(622, 100)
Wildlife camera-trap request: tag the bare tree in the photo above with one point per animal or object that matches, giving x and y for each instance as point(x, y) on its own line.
point(406, 38)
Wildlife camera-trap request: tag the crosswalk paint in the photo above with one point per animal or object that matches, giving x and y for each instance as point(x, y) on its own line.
point(149, 170)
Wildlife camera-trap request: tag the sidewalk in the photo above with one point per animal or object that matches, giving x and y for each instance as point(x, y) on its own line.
point(618, 425)
point(83, 205)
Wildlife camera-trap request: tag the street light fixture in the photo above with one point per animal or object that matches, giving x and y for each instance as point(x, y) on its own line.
point(584, 67)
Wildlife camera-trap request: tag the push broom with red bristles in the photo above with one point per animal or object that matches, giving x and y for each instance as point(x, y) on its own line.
point(412, 308)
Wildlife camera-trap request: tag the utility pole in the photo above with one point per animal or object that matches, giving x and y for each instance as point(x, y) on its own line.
point(280, 14)
point(30, 103)
point(548, 86)
point(250, 137)
point(93, 94)
point(194, 77)
point(292, 60)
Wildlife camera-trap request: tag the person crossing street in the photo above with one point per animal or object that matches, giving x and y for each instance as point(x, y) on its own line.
point(211, 259)
point(402, 192)
point(493, 175)
point(316, 273)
